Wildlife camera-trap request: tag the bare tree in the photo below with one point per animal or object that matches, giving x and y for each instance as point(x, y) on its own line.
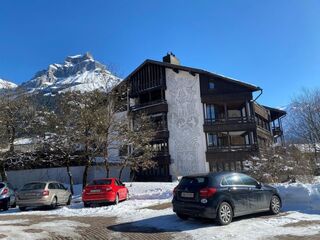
point(137, 138)
point(16, 113)
point(280, 164)
point(303, 121)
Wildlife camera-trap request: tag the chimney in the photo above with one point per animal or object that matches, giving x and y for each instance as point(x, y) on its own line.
point(171, 58)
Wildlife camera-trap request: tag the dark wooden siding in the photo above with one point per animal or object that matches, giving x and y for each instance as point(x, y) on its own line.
point(149, 77)
point(223, 90)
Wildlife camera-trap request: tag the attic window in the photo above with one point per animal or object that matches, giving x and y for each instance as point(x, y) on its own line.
point(211, 84)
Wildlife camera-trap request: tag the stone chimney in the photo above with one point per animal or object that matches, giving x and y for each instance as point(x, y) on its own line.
point(171, 58)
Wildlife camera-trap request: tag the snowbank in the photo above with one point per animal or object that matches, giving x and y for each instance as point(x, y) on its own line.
point(300, 197)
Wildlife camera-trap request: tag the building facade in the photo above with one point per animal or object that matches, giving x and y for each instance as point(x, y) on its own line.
point(204, 121)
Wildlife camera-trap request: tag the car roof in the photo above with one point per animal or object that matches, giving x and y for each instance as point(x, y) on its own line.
point(103, 179)
point(212, 174)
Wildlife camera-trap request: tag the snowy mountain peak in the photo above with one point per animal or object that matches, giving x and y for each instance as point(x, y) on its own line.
point(4, 84)
point(77, 73)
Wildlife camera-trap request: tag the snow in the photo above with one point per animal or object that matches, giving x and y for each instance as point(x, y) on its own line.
point(26, 231)
point(78, 73)
point(6, 84)
point(301, 202)
point(23, 141)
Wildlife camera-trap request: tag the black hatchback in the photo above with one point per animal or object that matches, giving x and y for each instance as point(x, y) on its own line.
point(222, 196)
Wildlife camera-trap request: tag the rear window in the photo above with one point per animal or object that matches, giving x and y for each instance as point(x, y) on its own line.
point(194, 181)
point(100, 182)
point(1, 185)
point(33, 186)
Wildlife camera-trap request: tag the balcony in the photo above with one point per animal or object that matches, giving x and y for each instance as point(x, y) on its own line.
point(229, 124)
point(233, 148)
point(151, 107)
point(277, 131)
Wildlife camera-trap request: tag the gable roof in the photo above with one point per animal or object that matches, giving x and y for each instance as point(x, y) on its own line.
point(194, 70)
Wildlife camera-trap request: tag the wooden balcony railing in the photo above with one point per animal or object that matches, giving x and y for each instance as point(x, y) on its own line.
point(277, 131)
point(147, 104)
point(233, 148)
point(229, 120)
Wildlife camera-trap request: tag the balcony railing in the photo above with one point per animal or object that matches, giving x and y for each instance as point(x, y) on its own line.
point(233, 148)
point(147, 104)
point(277, 131)
point(229, 120)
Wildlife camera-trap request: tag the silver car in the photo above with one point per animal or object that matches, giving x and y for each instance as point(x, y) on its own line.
point(7, 196)
point(43, 194)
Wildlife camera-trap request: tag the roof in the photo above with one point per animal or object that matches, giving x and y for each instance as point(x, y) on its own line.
point(194, 70)
point(275, 113)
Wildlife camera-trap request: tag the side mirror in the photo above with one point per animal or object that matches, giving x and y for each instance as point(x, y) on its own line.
point(259, 185)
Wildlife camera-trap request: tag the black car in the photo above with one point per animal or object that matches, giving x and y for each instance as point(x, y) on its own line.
point(222, 196)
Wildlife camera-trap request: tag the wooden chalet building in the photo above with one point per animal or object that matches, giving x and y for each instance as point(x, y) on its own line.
point(204, 121)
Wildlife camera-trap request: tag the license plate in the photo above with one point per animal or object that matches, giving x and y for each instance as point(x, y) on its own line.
point(30, 194)
point(187, 195)
point(95, 190)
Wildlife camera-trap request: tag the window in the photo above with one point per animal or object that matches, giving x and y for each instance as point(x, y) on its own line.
point(194, 182)
point(210, 113)
point(212, 140)
point(52, 186)
point(232, 180)
point(248, 180)
point(33, 186)
point(100, 182)
point(211, 84)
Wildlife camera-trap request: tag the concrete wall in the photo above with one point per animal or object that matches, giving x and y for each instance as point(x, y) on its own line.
point(187, 144)
point(20, 177)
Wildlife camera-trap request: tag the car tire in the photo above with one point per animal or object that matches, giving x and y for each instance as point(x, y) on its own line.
point(6, 206)
point(182, 216)
point(86, 205)
point(14, 205)
point(224, 214)
point(22, 209)
point(54, 203)
point(275, 205)
point(116, 201)
point(69, 201)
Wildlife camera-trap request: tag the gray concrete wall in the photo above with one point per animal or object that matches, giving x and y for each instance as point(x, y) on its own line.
point(21, 177)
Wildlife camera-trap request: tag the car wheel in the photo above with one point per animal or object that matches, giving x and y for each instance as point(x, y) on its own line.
point(54, 203)
point(22, 209)
point(117, 199)
point(86, 205)
point(14, 205)
point(225, 214)
point(275, 205)
point(69, 201)
point(182, 216)
point(6, 205)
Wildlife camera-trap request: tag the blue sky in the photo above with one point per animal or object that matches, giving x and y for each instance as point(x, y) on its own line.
point(274, 44)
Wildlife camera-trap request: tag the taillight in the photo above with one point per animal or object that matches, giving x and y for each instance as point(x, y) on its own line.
point(45, 193)
point(207, 192)
point(5, 191)
point(108, 189)
point(175, 191)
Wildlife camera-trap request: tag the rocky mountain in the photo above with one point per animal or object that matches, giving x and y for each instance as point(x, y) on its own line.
point(77, 73)
point(4, 84)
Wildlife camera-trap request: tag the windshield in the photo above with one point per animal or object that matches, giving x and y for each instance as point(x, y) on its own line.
point(100, 182)
point(33, 186)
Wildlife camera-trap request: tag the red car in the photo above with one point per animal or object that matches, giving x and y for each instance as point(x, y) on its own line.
point(105, 190)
